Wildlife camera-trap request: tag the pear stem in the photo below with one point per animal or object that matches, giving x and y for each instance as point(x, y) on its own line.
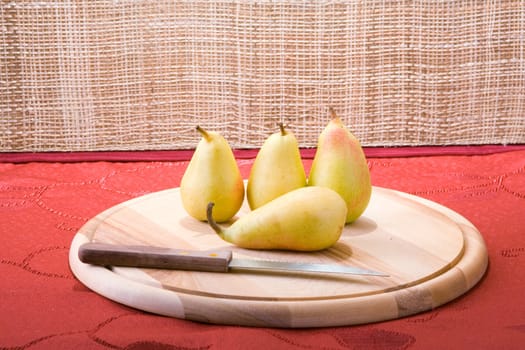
point(281, 127)
point(211, 221)
point(203, 132)
point(332, 113)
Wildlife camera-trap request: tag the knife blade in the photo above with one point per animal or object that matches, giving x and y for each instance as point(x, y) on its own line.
point(106, 254)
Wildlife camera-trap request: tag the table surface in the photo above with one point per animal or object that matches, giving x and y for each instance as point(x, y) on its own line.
point(42, 305)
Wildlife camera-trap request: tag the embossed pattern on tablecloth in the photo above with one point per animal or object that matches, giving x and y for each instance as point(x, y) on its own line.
point(42, 305)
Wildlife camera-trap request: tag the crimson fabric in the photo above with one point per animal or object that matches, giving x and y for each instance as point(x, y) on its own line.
point(43, 306)
point(306, 153)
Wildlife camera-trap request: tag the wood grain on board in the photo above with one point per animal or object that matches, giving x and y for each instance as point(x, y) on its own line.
point(432, 255)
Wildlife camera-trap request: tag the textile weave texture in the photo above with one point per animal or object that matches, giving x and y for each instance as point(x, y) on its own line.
point(80, 75)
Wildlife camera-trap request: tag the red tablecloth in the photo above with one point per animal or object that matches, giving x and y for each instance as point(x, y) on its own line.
point(43, 306)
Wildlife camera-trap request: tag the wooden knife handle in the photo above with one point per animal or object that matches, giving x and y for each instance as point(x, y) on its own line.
point(154, 257)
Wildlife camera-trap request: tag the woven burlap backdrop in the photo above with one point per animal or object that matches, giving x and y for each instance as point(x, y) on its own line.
point(133, 75)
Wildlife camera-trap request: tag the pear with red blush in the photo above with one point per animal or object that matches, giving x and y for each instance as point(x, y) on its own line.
point(340, 164)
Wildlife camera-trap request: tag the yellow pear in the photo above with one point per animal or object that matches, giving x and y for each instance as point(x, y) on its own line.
point(305, 219)
point(340, 164)
point(212, 176)
point(277, 169)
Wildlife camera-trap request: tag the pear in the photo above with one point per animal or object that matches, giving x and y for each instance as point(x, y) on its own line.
point(305, 219)
point(212, 176)
point(277, 169)
point(340, 164)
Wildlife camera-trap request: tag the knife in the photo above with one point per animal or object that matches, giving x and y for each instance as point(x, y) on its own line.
point(194, 260)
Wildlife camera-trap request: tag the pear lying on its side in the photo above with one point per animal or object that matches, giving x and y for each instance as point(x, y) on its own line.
point(212, 176)
point(340, 164)
point(277, 169)
point(305, 219)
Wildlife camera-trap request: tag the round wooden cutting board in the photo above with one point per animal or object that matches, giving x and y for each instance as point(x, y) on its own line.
point(431, 253)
